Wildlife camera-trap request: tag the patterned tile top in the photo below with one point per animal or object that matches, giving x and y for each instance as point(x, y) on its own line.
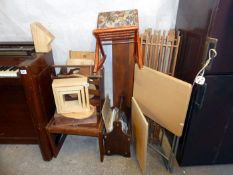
point(117, 19)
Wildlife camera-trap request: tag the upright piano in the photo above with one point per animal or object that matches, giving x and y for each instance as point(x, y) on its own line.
point(26, 100)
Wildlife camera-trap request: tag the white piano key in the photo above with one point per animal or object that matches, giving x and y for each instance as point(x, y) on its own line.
point(8, 72)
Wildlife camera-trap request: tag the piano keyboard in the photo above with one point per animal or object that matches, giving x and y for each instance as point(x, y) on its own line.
point(9, 71)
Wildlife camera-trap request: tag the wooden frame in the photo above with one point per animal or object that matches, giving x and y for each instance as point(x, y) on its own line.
point(116, 35)
point(160, 50)
point(78, 107)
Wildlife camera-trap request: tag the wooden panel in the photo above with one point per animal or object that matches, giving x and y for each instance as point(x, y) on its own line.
point(81, 58)
point(140, 131)
point(15, 121)
point(163, 98)
point(37, 72)
point(42, 37)
point(221, 29)
point(190, 55)
point(81, 54)
point(123, 71)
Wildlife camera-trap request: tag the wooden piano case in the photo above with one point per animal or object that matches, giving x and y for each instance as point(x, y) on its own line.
point(26, 103)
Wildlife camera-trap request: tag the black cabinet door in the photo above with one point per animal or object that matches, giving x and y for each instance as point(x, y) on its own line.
point(206, 135)
point(222, 29)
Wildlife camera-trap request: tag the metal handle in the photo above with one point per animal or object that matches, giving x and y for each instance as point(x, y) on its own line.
point(211, 43)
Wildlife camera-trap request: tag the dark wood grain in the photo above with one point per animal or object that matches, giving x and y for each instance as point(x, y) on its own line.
point(123, 63)
point(117, 142)
point(26, 101)
point(193, 20)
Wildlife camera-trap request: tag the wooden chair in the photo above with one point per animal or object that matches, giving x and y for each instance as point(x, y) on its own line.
point(117, 27)
point(59, 126)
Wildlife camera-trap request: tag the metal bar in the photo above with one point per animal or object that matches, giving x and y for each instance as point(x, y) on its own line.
point(159, 152)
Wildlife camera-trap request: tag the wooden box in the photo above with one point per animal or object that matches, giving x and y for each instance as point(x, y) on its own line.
point(72, 97)
point(117, 142)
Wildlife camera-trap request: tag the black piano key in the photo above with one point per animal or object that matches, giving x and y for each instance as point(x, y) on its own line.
point(12, 68)
point(1, 67)
point(8, 67)
point(5, 68)
point(15, 68)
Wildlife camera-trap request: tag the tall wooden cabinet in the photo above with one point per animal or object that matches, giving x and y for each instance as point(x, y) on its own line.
point(208, 132)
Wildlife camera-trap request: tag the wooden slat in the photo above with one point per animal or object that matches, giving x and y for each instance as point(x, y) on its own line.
point(163, 69)
point(160, 50)
point(172, 38)
point(156, 50)
point(146, 50)
point(152, 48)
point(175, 57)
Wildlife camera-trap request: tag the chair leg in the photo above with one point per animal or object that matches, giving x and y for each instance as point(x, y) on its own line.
point(101, 146)
point(56, 146)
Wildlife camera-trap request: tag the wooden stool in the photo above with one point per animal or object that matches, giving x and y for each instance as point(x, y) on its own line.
point(117, 27)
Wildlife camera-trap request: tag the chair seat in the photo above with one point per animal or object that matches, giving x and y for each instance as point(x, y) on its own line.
point(83, 127)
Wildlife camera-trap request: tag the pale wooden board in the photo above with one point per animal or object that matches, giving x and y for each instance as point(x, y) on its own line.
point(80, 61)
point(81, 58)
point(69, 82)
point(81, 54)
point(140, 131)
point(42, 37)
point(163, 98)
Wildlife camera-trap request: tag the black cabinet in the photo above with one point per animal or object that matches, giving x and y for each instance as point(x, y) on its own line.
point(208, 131)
